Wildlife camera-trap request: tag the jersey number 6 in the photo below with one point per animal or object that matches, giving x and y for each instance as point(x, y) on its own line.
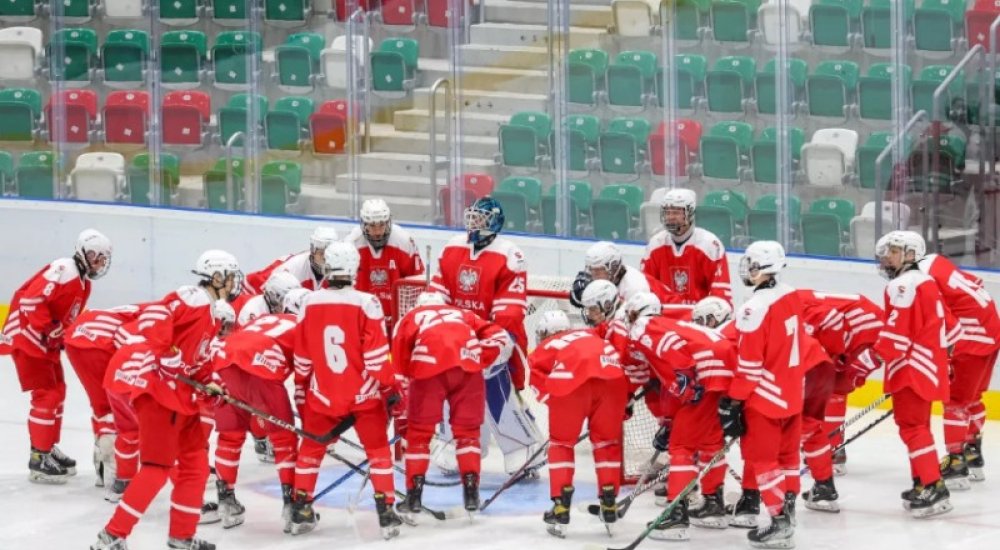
point(333, 348)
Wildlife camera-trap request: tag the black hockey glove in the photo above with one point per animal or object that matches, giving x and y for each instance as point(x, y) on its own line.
point(731, 417)
point(583, 279)
point(662, 438)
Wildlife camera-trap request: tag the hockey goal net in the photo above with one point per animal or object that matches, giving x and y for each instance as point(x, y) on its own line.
point(544, 294)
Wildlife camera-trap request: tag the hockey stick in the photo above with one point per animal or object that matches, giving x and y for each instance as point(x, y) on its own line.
point(867, 428)
point(858, 415)
point(645, 483)
point(345, 423)
point(438, 515)
point(681, 497)
point(402, 470)
point(340, 480)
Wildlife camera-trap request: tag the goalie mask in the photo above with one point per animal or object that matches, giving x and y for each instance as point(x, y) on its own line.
point(604, 261)
point(677, 210)
point(219, 270)
point(483, 222)
point(376, 222)
point(600, 302)
point(276, 287)
point(93, 254)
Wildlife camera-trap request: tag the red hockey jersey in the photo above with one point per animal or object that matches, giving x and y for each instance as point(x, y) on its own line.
point(915, 339)
point(565, 360)
point(843, 323)
point(669, 346)
point(341, 351)
point(380, 270)
point(432, 339)
point(770, 367)
point(964, 295)
point(264, 347)
point(635, 281)
point(692, 270)
point(296, 264)
point(98, 328)
point(51, 299)
point(492, 283)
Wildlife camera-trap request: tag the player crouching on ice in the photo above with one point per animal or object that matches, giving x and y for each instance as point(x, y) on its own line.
point(342, 368)
point(578, 375)
point(913, 346)
point(443, 350)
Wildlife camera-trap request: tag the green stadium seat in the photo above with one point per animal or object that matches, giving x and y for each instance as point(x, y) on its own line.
point(73, 11)
point(762, 220)
point(394, 66)
point(868, 153)
point(821, 234)
point(72, 55)
point(287, 13)
point(843, 209)
point(734, 201)
point(580, 190)
point(938, 25)
point(611, 219)
point(286, 125)
point(832, 22)
point(729, 83)
point(691, 71)
point(550, 225)
point(622, 147)
point(764, 154)
point(831, 88)
point(123, 58)
point(718, 220)
point(140, 179)
point(725, 149)
point(6, 173)
point(524, 140)
point(297, 61)
point(35, 175)
point(236, 55)
point(236, 116)
point(180, 13)
point(930, 78)
point(216, 197)
point(875, 91)
point(280, 186)
point(229, 13)
point(531, 188)
point(182, 58)
point(582, 132)
point(586, 71)
point(733, 21)
point(765, 81)
point(20, 109)
point(688, 17)
point(515, 209)
point(630, 78)
point(876, 23)
point(19, 11)
point(631, 194)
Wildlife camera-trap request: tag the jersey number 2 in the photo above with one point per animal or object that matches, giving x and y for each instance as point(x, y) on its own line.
point(333, 348)
point(792, 329)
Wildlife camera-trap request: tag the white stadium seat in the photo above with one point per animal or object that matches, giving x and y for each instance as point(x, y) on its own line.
point(98, 177)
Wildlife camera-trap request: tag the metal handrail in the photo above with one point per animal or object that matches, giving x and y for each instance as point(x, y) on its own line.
point(448, 97)
point(992, 87)
point(917, 117)
point(353, 66)
point(230, 188)
point(366, 47)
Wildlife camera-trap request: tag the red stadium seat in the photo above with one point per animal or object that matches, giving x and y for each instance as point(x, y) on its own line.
point(476, 186)
point(977, 25)
point(399, 12)
point(70, 115)
point(329, 132)
point(987, 5)
point(340, 9)
point(437, 13)
point(184, 115)
point(125, 116)
point(688, 142)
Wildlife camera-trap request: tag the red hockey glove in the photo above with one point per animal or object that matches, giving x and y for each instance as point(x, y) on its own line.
point(685, 388)
point(53, 339)
point(394, 402)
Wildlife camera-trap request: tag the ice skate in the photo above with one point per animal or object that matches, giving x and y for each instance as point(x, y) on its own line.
point(675, 526)
point(470, 492)
point(265, 452)
point(840, 463)
point(557, 519)
point(789, 507)
point(388, 520)
point(609, 507)
point(209, 513)
point(413, 503)
point(107, 541)
point(712, 513)
point(910, 494)
point(973, 451)
point(113, 491)
point(231, 510)
point(660, 495)
point(286, 508)
point(933, 500)
point(66, 462)
point(777, 533)
point(104, 459)
point(189, 544)
point(303, 517)
point(744, 512)
point(822, 497)
point(955, 472)
point(45, 469)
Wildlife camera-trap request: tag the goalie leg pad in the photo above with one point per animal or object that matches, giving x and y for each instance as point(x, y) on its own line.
point(510, 422)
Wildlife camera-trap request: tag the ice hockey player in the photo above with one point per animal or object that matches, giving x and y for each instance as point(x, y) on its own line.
point(603, 260)
point(40, 312)
point(764, 401)
point(388, 253)
point(578, 375)
point(342, 368)
point(307, 267)
point(601, 310)
point(913, 345)
point(167, 342)
point(443, 351)
point(696, 365)
point(90, 344)
point(972, 363)
point(485, 273)
point(689, 260)
point(270, 301)
point(252, 365)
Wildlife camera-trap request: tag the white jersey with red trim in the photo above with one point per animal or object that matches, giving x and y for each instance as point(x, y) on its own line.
point(380, 269)
point(635, 281)
point(252, 309)
point(299, 265)
point(692, 270)
point(964, 295)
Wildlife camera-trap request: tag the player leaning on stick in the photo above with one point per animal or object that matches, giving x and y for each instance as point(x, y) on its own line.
point(578, 375)
point(485, 273)
point(914, 346)
point(764, 401)
point(40, 311)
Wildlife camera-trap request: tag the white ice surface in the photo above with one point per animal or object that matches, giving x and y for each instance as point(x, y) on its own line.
point(69, 516)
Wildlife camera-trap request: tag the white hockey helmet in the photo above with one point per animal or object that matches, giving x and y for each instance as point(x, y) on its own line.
point(375, 212)
point(642, 304)
point(907, 241)
point(224, 315)
point(294, 298)
point(219, 263)
point(761, 258)
point(607, 256)
point(600, 295)
point(682, 199)
point(322, 237)
point(93, 251)
point(552, 321)
point(427, 298)
point(276, 287)
point(711, 309)
point(341, 261)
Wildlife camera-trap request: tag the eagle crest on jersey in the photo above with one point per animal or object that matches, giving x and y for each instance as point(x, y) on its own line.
point(680, 280)
point(468, 279)
point(379, 277)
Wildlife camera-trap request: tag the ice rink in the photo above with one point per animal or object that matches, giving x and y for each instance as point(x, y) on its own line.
point(69, 516)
